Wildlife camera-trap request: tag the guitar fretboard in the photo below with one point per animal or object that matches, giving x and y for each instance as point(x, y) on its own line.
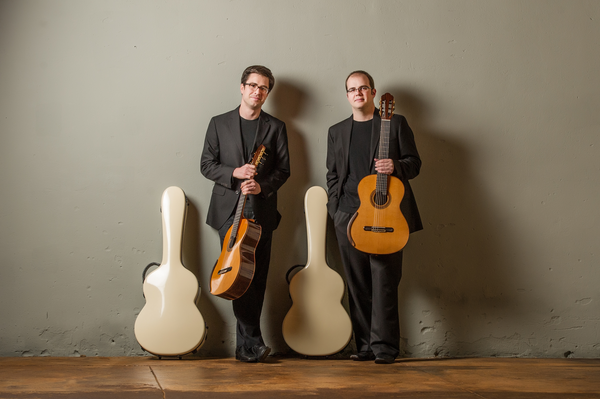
point(381, 186)
point(236, 220)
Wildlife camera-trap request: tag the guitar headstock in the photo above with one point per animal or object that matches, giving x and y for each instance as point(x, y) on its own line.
point(386, 106)
point(258, 155)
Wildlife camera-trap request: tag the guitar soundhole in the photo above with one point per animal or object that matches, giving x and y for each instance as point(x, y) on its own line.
point(379, 200)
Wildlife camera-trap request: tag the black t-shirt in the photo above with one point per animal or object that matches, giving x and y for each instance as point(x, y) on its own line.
point(249, 128)
point(359, 162)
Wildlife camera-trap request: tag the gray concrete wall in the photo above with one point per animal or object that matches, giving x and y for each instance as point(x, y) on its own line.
point(104, 104)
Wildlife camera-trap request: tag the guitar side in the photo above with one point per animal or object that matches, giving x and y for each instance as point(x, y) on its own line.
point(379, 229)
point(234, 269)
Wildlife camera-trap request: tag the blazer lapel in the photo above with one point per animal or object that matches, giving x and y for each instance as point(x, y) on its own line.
point(375, 132)
point(236, 135)
point(263, 129)
point(345, 147)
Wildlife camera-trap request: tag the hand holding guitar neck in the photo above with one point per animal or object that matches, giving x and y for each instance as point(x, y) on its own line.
point(385, 166)
point(247, 171)
point(250, 186)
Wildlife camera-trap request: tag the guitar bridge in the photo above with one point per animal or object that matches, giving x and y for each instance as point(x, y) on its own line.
point(223, 271)
point(378, 229)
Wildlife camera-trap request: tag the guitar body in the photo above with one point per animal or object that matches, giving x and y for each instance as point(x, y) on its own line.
point(317, 324)
point(170, 323)
point(379, 228)
point(234, 269)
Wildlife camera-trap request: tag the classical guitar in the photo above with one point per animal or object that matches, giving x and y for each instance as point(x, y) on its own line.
point(378, 226)
point(170, 323)
point(234, 269)
point(317, 324)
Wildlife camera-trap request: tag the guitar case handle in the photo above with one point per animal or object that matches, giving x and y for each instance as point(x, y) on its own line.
point(146, 270)
point(158, 264)
point(287, 275)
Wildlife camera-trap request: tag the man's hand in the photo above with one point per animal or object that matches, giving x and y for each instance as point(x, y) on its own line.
point(250, 186)
point(385, 166)
point(245, 172)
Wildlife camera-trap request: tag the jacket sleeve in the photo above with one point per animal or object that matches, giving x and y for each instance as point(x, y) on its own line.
point(210, 164)
point(332, 175)
point(408, 165)
point(274, 178)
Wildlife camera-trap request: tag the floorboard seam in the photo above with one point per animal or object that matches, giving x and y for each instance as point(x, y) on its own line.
point(158, 382)
point(449, 382)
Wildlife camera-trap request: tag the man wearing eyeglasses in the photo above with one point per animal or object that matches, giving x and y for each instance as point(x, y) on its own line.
point(231, 139)
point(372, 279)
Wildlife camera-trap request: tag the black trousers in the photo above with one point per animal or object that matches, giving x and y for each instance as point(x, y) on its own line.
point(248, 308)
point(372, 292)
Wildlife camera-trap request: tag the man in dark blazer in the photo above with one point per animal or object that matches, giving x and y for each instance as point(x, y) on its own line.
point(351, 155)
point(230, 141)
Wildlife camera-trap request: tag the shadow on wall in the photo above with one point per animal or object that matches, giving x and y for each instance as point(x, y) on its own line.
point(216, 337)
point(289, 241)
point(456, 270)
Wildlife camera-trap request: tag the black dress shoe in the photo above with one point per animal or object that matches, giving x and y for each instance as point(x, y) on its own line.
point(261, 352)
point(244, 355)
point(363, 356)
point(383, 358)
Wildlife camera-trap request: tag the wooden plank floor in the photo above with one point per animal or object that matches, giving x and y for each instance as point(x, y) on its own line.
point(284, 377)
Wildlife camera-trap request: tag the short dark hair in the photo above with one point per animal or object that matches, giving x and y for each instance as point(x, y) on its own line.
point(261, 70)
point(371, 81)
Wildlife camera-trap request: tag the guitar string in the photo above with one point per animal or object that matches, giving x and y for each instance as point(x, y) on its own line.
point(382, 179)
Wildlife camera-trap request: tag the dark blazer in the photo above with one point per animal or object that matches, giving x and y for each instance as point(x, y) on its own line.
point(224, 151)
point(402, 150)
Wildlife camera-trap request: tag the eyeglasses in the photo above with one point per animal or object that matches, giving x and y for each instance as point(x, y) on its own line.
point(254, 86)
point(356, 90)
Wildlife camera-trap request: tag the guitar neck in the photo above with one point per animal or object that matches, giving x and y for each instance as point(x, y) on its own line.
point(384, 150)
point(236, 220)
point(256, 160)
point(384, 139)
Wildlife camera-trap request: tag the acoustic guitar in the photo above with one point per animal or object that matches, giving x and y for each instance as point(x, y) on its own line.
point(317, 324)
point(378, 226)
point(234, 270)
point(170, 323)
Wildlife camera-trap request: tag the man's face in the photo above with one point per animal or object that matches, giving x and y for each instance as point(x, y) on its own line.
point(359, 99)
point(255, 97)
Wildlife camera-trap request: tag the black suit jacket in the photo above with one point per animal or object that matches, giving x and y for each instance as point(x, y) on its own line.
point(402, 150)
point(224, 151)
